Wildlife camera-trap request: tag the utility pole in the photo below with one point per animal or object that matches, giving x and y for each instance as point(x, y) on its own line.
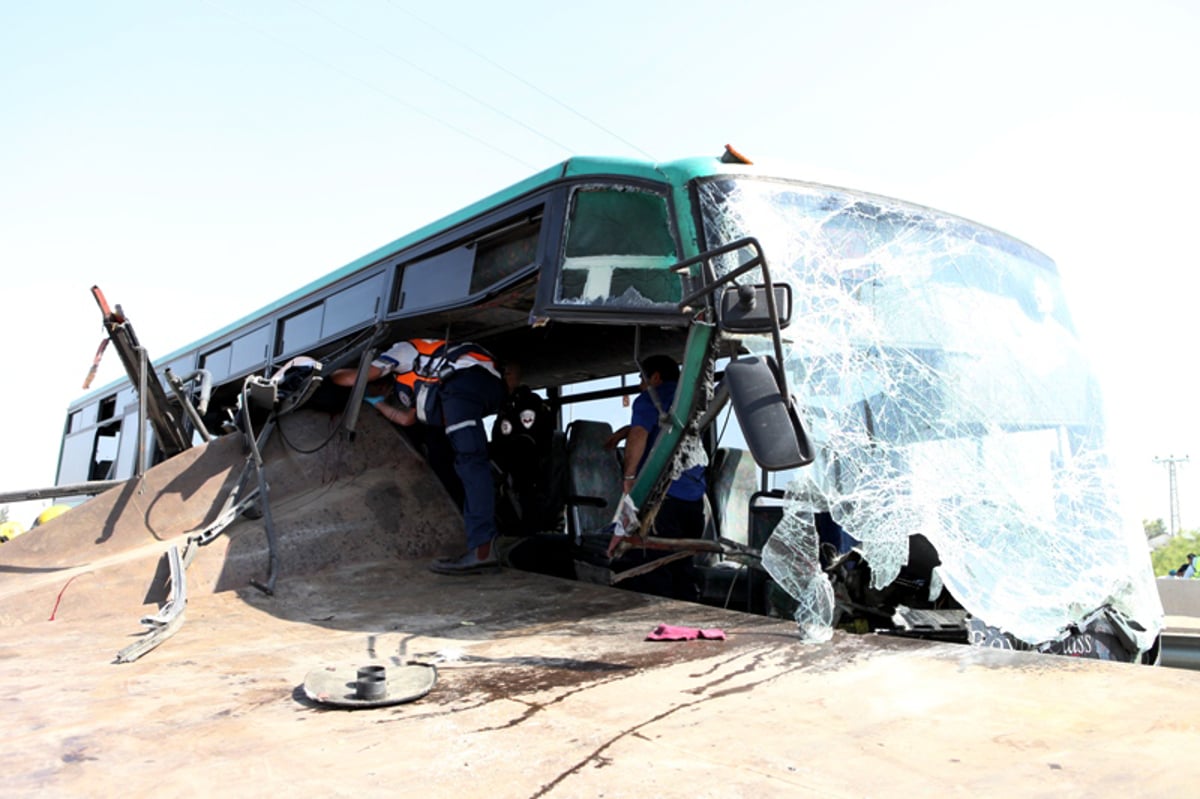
point(1170, 463)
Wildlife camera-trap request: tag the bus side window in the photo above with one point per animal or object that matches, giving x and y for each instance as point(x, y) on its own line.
point(505, 254)
point(619, 249)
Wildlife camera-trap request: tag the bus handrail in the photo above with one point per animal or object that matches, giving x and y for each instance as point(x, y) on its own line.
point(710, 283)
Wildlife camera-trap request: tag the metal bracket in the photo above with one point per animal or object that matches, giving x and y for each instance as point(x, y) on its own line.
point(162, 625)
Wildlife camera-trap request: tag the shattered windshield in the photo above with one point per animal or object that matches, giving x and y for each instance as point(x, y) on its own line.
point(937, 370)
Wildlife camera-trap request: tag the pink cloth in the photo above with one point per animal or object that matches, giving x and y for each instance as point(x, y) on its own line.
point(671, 632)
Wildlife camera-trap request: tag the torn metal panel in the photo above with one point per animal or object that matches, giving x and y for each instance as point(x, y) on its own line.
point(161, 625)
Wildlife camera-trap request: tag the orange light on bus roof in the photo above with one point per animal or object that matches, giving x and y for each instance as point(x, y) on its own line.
point(732, 156)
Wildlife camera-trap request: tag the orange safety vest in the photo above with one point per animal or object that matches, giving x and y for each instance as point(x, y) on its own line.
point(429, 352)
point(435, 362)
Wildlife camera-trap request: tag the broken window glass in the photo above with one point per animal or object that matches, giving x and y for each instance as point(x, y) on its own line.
point(944, 389)
point(619, 250)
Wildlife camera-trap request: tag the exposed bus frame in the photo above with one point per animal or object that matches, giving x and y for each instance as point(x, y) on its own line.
point(506, 314)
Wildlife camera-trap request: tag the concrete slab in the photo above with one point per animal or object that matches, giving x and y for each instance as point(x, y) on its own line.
point(547, 688)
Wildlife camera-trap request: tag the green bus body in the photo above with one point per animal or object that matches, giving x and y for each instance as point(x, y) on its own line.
point(932, 358)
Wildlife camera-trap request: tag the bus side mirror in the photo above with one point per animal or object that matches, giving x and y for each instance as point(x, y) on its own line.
point(744, 309)
point(769, 421)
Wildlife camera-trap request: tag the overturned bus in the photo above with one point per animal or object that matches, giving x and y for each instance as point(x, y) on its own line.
point(920, 443)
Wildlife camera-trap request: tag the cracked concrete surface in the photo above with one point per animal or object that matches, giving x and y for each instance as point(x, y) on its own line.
point(545, 687)
point(548, 688)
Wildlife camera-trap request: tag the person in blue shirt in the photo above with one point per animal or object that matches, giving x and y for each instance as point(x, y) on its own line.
point(681, 514)
point(1189, 570)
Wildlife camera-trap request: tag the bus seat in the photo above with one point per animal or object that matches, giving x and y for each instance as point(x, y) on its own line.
point(735, 479)
point(619, 279)
point(766, 511)
point(593, 477)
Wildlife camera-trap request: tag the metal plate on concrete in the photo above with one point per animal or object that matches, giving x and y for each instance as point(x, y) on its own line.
point(338, 686)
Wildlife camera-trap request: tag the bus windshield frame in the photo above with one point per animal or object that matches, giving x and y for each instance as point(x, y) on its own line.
point(948, 398)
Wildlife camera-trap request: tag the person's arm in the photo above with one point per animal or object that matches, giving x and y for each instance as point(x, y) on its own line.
point(345, 377)
point(635, 446)
point(401, 416)
point(616, 438)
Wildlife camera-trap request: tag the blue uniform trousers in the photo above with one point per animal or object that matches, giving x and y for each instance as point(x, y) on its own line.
point(466, 397)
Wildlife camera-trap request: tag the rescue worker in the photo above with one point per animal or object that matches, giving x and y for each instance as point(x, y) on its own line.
point(451, 388)
point(681, 514)
point(531, 485)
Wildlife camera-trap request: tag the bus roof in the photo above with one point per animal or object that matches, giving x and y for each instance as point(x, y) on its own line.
point(673, 173)
point(676, 174)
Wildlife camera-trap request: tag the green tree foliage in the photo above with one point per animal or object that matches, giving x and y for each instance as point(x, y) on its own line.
point(1154, 528)
point(1174, 554)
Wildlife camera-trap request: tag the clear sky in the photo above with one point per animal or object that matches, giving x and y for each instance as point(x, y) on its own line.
point(199, 159)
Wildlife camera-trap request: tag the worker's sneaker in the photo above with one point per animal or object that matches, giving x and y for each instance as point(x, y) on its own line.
point(476, 560)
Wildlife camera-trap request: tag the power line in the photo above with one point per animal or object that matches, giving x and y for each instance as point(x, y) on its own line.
point(372, 87)
point(1170, 462)
point(436, 77)
point(517, 77)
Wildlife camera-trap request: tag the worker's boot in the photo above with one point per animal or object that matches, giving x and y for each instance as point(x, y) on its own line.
point(474, 561)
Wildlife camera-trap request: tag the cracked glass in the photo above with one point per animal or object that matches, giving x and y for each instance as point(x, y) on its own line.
point(619, 250)
point(936, 367)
